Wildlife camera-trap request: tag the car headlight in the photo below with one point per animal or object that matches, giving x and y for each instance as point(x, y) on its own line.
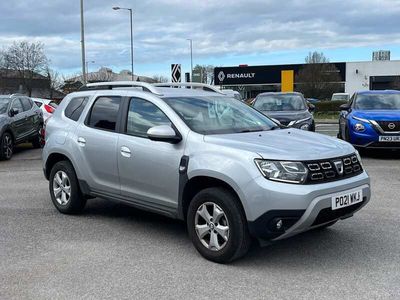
point(305, 127)
point(359, 127)
point(359, 158)
point(284, 171)
point(303, 120)
point(361, 119)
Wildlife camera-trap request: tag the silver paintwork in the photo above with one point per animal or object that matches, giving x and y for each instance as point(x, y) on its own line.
point(145, 173)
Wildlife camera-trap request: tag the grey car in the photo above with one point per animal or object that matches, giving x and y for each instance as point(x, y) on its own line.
point(20, 121)
point(221, 166)
point(290, 109)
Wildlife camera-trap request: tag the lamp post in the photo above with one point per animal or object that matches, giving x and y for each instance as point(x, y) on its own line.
point(131, 18)
point(83, 44)
point(191, 58)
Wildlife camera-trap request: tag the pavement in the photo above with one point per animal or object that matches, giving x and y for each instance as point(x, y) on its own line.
point(113, 251)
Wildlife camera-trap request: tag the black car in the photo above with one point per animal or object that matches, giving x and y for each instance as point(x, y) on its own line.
point(290, 109)
point(20, 121)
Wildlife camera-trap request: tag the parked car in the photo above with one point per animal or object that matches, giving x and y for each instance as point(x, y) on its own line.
point(371, 120)
point(340, 97)
point(221, 166)
point(233, 94)
point(290, 109)
point(312, 100)
point(20, 121)
point(47, 106)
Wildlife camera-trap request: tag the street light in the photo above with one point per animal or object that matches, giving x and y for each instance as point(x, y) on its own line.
point(131, 13)
point(191, 58)
point(83, 44)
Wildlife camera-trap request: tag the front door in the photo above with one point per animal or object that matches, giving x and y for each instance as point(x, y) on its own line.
point(18, 122)
point(149, 170)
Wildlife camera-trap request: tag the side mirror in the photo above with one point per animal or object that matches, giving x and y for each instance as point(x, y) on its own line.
point(163, 133)
point(13, 112)
point(311, 107)
point(345, 107)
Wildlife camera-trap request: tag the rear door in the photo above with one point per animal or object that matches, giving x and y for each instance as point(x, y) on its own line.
point(149, 170)
point(31, 125)
point(97, 141)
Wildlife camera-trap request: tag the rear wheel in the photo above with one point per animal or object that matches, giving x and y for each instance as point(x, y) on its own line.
point(217, 225)
point(64, 189)
point(6, 146)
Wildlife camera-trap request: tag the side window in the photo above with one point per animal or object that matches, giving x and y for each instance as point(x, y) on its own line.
point(143, 115)
point(17, 105)
point(26, 103)
point(75, 108)
point(104, 113)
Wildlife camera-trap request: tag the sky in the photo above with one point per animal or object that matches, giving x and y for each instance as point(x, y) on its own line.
point(224, 33)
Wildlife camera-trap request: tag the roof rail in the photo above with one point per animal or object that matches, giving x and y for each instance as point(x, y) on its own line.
point(147, 87)
point(205, 87)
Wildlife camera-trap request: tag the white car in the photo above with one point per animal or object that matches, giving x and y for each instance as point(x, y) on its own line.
point(47, 106)
point(340, 97)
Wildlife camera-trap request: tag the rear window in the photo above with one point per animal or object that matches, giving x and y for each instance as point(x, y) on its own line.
point(75, 108)
point(39, 104)
point(104, 113)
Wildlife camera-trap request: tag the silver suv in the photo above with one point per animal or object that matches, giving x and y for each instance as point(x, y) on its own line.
point(194, 154)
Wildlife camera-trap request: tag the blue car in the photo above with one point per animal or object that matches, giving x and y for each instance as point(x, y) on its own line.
point(371, 119)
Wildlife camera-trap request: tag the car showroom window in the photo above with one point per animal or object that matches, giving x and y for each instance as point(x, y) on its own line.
point(104, 113)
point(142, 115)
point(26, 103)
point(17, 105)
point(75, 108)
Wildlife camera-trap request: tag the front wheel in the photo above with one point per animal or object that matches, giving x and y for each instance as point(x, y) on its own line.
point(64, 189)
point(6, 146)
point(217, 225)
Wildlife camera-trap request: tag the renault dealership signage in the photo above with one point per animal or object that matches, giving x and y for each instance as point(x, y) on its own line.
point(261, 74)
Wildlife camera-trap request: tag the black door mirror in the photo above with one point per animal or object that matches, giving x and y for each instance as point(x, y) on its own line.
point(311, 107)
point(345, 107)
point(13, 112)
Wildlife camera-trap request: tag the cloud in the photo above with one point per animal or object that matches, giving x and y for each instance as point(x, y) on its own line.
point(218, 28)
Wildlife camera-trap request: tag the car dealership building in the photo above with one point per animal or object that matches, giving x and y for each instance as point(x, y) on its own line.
point(354, 76)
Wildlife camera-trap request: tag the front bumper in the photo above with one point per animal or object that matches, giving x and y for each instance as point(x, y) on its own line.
point(300, 207)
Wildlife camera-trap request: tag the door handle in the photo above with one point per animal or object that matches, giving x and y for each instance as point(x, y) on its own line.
point(125, 151)
point(81, 141)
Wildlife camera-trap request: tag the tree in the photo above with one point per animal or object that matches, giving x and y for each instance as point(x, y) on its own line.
point(55, 81)
point(318, 79)
point(28, 59)
point(205, 73)
point(102, 75)
point(159, 78)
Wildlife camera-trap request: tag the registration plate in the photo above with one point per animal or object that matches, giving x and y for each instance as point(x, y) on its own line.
point(347, 198)
point(386, 138)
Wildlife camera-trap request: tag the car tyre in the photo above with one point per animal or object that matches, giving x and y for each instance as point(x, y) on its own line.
point(37, 142)
point(64, 189)
point(6, 146)
point(228, 219)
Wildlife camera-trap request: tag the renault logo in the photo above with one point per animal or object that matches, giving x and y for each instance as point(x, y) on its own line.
point(392, 126)
point(221, 76)
point(339, 166)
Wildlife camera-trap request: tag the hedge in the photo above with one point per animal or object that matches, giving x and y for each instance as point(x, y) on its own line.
point(325, 106)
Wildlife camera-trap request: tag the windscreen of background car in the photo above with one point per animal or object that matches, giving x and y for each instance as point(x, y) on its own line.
point(280, 103)
point(340, 98)
point(3, 105)
point(219, 115)
point(378, 101)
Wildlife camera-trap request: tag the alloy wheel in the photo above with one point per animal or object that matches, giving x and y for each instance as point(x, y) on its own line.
point(61, 188)
point(7, 146)
point(212, 226)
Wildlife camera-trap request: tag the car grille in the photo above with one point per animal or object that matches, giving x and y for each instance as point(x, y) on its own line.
point(328, 215)
point(389, 126)
point(332, 169)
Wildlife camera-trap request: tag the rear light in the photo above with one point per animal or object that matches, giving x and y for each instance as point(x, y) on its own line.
point(48, 108)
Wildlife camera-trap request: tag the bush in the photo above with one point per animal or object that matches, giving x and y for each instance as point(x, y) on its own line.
point(327, 106)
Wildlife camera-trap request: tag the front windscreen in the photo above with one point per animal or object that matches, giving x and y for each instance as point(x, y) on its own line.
point(288, 102)
point(3, 105)
point(219, 115)
point(340, 97)
point(378, 102)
